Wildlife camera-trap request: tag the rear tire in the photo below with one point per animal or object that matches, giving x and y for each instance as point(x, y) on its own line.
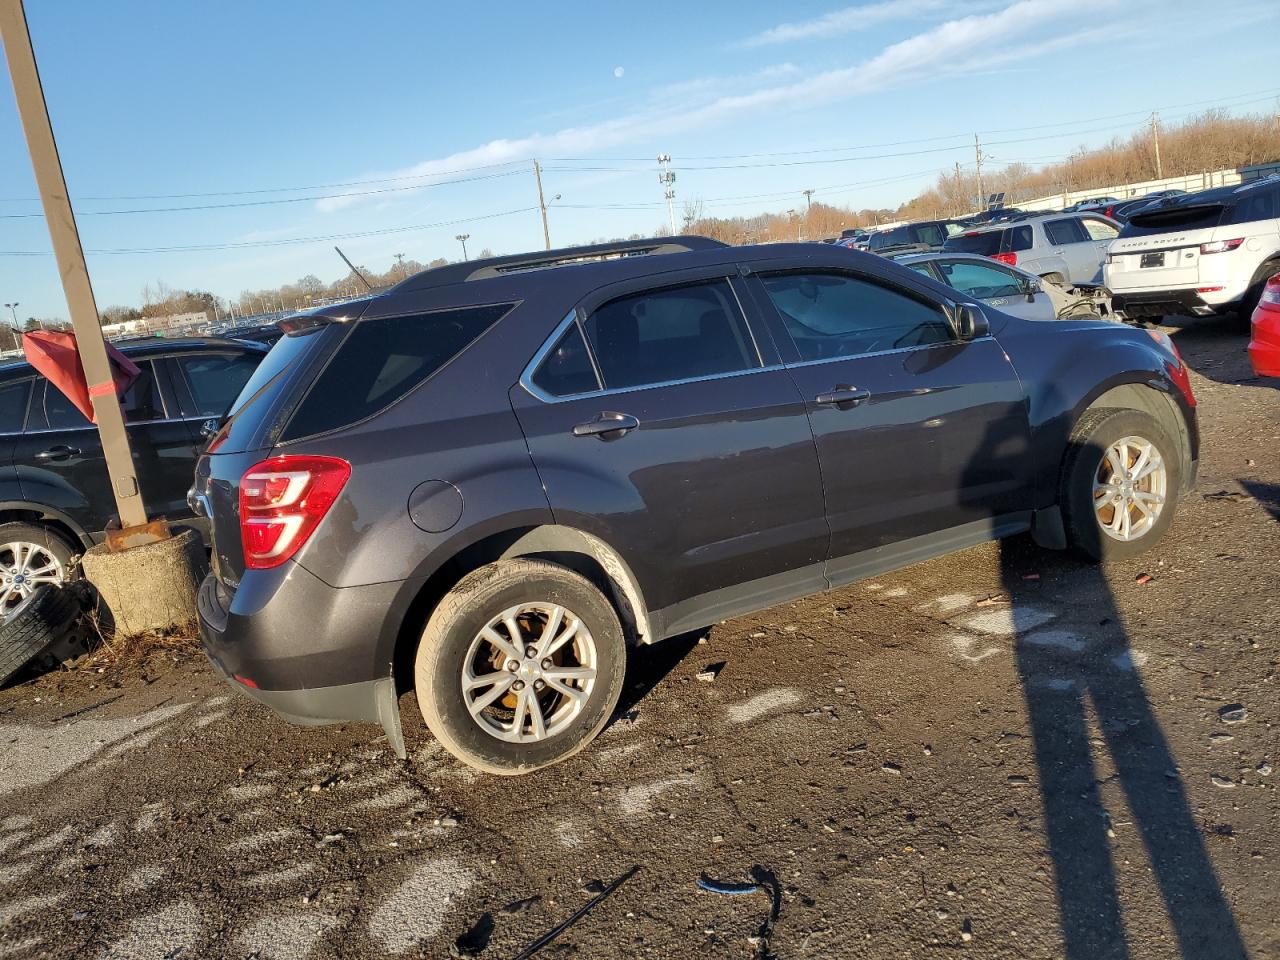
point(34, 625)
point(31, 555)
point(1116, 504)
point(509, 707)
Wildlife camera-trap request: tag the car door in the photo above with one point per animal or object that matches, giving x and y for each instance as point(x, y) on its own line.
point(1074, 246)
point(998, 287)
point(59, 456)
point(922, 436)
point(1101, 232)
point(208, 382)
point(662, 423)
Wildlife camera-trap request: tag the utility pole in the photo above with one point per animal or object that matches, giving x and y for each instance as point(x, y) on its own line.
point(808, 200)
point(542, 205)
point(69, 255)
point(462, 238)
point(667, 177)
point(1155, 136)
point(982, 191)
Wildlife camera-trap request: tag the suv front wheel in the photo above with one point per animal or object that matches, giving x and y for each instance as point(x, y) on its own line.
point(520, 666)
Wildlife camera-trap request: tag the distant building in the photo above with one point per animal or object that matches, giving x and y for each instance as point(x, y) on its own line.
point(146, 325)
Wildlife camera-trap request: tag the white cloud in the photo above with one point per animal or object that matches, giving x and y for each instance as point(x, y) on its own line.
point(849, 20)
point(1022, 30)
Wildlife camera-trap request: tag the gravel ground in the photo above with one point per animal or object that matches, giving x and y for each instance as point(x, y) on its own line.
point(1003, 753)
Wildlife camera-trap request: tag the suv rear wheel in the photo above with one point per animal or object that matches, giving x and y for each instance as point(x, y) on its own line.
point(1120, 479)
point(30, 555)
point(520, 666)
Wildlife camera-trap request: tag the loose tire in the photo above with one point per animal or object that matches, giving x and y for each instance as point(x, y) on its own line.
point(34, 625)
point(31, 555)
point(511, 705)
point(1120, 483)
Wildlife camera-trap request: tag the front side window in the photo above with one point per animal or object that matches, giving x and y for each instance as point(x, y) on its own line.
point(51, 410)
point(679, 333)
point(216, 380)
point(1060, 232)
point(979, 280)
point(1099, 229)
point(835, 315)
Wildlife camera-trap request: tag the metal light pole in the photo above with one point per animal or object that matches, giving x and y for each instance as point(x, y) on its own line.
point(13, 311)
point(61, 222)
point(462, 238)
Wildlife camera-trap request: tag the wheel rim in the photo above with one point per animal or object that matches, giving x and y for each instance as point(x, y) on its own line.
point(529, 672)
point(1130, 489)
point(23, 567)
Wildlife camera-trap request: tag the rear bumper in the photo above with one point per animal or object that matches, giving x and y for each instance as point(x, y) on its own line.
point(309, 651)
point(1163, 303)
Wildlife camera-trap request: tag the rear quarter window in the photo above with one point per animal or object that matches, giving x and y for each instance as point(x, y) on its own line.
point(382, 360)
point(13, 406)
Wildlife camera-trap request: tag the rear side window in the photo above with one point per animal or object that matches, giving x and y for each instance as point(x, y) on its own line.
point(382, 360)
point(141, 402)
point(1019, 238)
point(216, 380)
point(13, 406)
point(678, 333)
point(1099, 229)
point(889, 238)
point(1064, 231)
point(566, 370)
point(1257, 205)
point(931, 234)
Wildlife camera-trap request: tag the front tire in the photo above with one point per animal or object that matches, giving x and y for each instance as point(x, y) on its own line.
point(520, 666)
point(31, 556)
point(1120, 484)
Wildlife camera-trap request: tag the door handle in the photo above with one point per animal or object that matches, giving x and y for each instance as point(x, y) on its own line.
point(60, 452)
point(843, 396)
point(608, 425)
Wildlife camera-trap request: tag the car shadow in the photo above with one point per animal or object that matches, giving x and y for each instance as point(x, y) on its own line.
point(1199, 340)
point(1070, 674)
point(1267, 494)
point(648, 665)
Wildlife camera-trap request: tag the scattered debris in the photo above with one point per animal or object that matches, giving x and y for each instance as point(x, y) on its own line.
point(1031, 576)
point(1233, 713)
point(763, 881)
point(1220, 781)
point(711, 671)
point(889, 767)
point(592, 887)
point(1143, 578)
point(520, 906)
point(1227, 496)
point(966, 930)
point(992, 600)
point(1264, 768)
point(727, 889)
point(577, 915)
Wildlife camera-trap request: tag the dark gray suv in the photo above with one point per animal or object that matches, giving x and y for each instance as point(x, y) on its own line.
point(493, 480)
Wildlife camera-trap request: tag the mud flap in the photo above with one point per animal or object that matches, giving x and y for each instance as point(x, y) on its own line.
point(384, 695)
point(1047, 528)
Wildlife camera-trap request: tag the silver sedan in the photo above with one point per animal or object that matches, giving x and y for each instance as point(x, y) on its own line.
point(1004, 287)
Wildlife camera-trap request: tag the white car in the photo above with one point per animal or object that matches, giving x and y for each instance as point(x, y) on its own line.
point(1198, 254)
point(1006, 288)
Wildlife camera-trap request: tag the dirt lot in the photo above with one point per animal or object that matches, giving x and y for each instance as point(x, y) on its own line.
point(909, 769)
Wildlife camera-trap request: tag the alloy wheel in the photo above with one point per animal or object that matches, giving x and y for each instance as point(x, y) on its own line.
point(23, 567)
point(1130, 488)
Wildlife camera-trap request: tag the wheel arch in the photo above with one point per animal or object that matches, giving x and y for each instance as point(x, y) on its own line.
point(1156, 403)
point(570, 547)
point(21, 511)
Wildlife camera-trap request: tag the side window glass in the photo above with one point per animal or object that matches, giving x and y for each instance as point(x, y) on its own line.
point(13, 406)
point(1100, 230)
point(1021, 238)
point(1060, 232)
point(830, 315)
point(567, 370)
point(141, 402)
point(216, 380)
point(673, 334)
point(930, 234)
point(980, 281)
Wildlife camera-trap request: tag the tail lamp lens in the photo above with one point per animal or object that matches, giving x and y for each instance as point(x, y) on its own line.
point(1010, 258)
point(1271, 294)
point(1221, 246)
point(282, 501)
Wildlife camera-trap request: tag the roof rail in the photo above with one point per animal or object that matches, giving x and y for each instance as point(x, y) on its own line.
point(521, 262)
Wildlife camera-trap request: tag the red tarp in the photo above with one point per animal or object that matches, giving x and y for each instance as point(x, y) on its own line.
point(54, 354)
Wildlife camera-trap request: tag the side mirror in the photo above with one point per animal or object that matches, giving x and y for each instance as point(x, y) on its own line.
point(1031, 288)
point(973, 323)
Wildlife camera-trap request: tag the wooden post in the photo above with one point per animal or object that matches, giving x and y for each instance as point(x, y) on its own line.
point(70, 257)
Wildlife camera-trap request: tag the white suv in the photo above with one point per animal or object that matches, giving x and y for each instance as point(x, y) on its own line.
point(1198, 254)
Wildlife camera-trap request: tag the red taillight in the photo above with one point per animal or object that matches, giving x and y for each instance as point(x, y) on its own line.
point(1221, 246)
point(1109, 211)
point(1010, 258)
point(282, 501)
point(1209, 289)
point(1271, 295)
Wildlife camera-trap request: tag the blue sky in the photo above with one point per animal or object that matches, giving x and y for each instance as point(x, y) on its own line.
point(350, 118)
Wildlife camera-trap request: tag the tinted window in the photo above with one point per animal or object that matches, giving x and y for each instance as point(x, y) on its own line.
point(673, 334)
point(1099, 229)
point(1253, 205)
point(13, 406)
point(1019, 238)
point(1064, 231)
point(831, 315)
point(567, 369)
point(382, 360)
point(983, 244)
point(217, 380)
point(1200, 216)
point(931, 234)
point(888, 238)
point(979, 280)
point(141, 402)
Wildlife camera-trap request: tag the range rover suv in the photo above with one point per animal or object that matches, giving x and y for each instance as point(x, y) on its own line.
point(494, 480)
point(1198, 254)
